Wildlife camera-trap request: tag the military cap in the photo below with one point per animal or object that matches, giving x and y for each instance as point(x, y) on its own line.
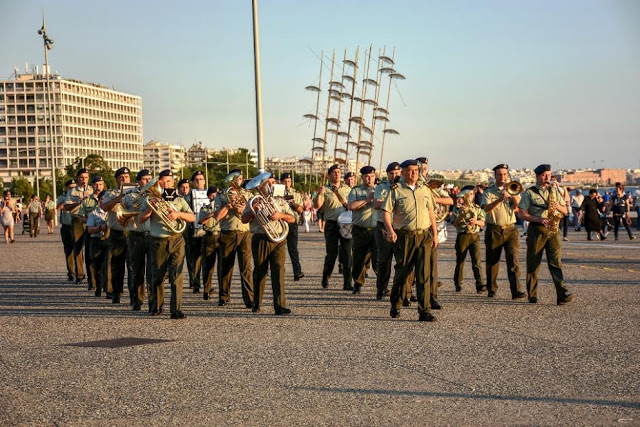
point(467, 187)
point(183, 181)
point(142, 173)
point(464, 191)
point(212, 189)
point(409, 162)
point(96, 178)
point(121, 171)
point(422, 160)
point(393, 166)
point(367, 169)
point(235, 170)
point(69, 182)
point(501, 166)
point(349, 175)
point(542, 169)
point(166, 172)
point(333, 167)
point(196, 173)
point(82, 170)
point(285, 176)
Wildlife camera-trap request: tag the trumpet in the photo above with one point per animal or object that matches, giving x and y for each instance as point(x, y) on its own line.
point(162, 208)
point(234, 192)
point(514, 188)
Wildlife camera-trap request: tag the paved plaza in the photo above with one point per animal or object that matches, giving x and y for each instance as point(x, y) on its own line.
point(339, 359)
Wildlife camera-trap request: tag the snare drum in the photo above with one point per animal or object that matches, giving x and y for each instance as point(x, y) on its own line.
point(344, 221)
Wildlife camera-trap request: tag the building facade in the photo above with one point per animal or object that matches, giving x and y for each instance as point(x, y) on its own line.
point(159, 156)
point(599, 177)
point(86, 118)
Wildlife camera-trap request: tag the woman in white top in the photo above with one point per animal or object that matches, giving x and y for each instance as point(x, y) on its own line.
point(6, 217)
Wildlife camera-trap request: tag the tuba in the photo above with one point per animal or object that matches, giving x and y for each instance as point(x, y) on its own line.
point(234, 190)
point(441, 211)
point(162, 208)
point(266, 206)
point(123, 216)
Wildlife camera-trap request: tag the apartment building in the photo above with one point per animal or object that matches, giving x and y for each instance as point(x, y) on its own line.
point(159, 156)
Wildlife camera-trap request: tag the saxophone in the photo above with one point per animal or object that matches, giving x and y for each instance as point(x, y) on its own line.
point(553, 215)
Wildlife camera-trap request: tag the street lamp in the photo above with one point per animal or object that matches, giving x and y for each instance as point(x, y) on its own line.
point(48, 44)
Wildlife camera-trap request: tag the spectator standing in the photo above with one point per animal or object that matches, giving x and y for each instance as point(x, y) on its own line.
point(620, 207)
point(576, 203)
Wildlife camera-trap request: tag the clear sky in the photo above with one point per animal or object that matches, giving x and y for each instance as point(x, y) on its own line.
point(522, 82)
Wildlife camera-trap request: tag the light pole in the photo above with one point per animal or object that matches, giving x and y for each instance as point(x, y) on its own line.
point(48, 43)
point(256, 63)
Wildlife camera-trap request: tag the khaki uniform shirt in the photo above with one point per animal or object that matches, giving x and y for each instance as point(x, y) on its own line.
point(255, 226)
point(536, 204)
point(34, 207)
point(366, 216)
point(157, 228)
point(504, 213)
point(96, 218)
point(297, 199)
point(210, 225)
point(75, 194)
point(88, 205)
point(332, 206)
point(112, 222)
point(132, 201)
point(381, 192)
point(478, 213)
point(410, 208)
point(231, 221)
point(65, 217)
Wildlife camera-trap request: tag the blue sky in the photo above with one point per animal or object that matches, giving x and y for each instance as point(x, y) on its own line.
point(522, 82)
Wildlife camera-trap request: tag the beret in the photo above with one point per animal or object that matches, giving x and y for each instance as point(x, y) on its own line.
point(501, 166)
point(142, 173)
point(96, 178)
point(183, 181)
point(542, 168)
point(196, 173)
point(409, 162)
point(235, 170)
point(467, 187)
point(82, 170)
point(349, 175)
point(422, 160)
point(212, 189)
point(393, 166)
point(69, 182)
point(367, 169)
point(122, 171)
point(285, 176)
point(333, 167)
point(166, 172)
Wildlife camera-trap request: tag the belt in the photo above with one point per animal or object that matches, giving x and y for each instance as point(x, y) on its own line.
point(412, 232)
point(502, 227)
point(213, 233)
point(364, 228)
point(146, 233)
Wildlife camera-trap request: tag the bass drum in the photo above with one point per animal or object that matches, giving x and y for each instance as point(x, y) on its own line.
point(344, 221)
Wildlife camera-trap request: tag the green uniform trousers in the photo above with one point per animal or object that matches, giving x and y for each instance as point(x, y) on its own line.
point(193, 247)
point(167, 254)
point(365, 253)
point(467, 243)
point(267, 254)
point(76, 234)
point(539, 241)
point(210, 247)
point(140, 262)
point(67, 244)
point(412, 252)
point(385, 256)
point(99, 251)
point(118, 261)
point(496, 238)
point(334, 244)
point(232, 244)
point(433, 279)
point(91, 274)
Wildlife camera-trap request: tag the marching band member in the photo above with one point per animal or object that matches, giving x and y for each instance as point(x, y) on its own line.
point(193, 243)
point(410, 224)
point(385, 248)
point(501, 232)
point(87, 205)
point(268, 254)
point(294, 199)
point(117, 242)
point(167, 249)
point(210, 242)
point(97, 229)
point(235, 240)
point(334, 203)
point(364, 219)
point(66, 230)
point(543, 206)
point(469, 220)
point(74, 196)
point(139, 243)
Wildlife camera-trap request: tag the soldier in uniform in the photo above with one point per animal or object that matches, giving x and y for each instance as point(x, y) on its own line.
point(469, 220)
point(210, 241)
point(364, 219)
point(97, 229)
point(501, 232)
point(139, 244)
point(294, 199)
point(193, 243)
point(385, 248)
point(268, 254)
point(350, 180)
point(334, 201)
point(183, 187)
point(235, 240)
point(65, 230)
point(167, 250)
point(410, 224)
point(86, 207)
point(74, 196)
point(535, 208)
point(117, 241)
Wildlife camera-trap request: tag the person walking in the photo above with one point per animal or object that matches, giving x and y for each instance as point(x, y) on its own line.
point(591, 215)
point(35, 212)
point(620, 207)
point(576, 206)
point(49, 213)
point(7, 217)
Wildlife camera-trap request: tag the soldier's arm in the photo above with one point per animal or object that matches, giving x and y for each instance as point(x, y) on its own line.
point(109, 204)
point(434, 228)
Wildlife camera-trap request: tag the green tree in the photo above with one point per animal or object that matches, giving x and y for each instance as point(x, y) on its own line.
point(20, 186)
point(95, 165)
point(217, 167)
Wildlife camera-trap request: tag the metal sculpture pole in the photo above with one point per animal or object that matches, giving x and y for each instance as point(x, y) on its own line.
point(256, 59)
point(326, 123)
point(384, 131)
point(354, 64)
point(364, 96)
point(335, 145)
